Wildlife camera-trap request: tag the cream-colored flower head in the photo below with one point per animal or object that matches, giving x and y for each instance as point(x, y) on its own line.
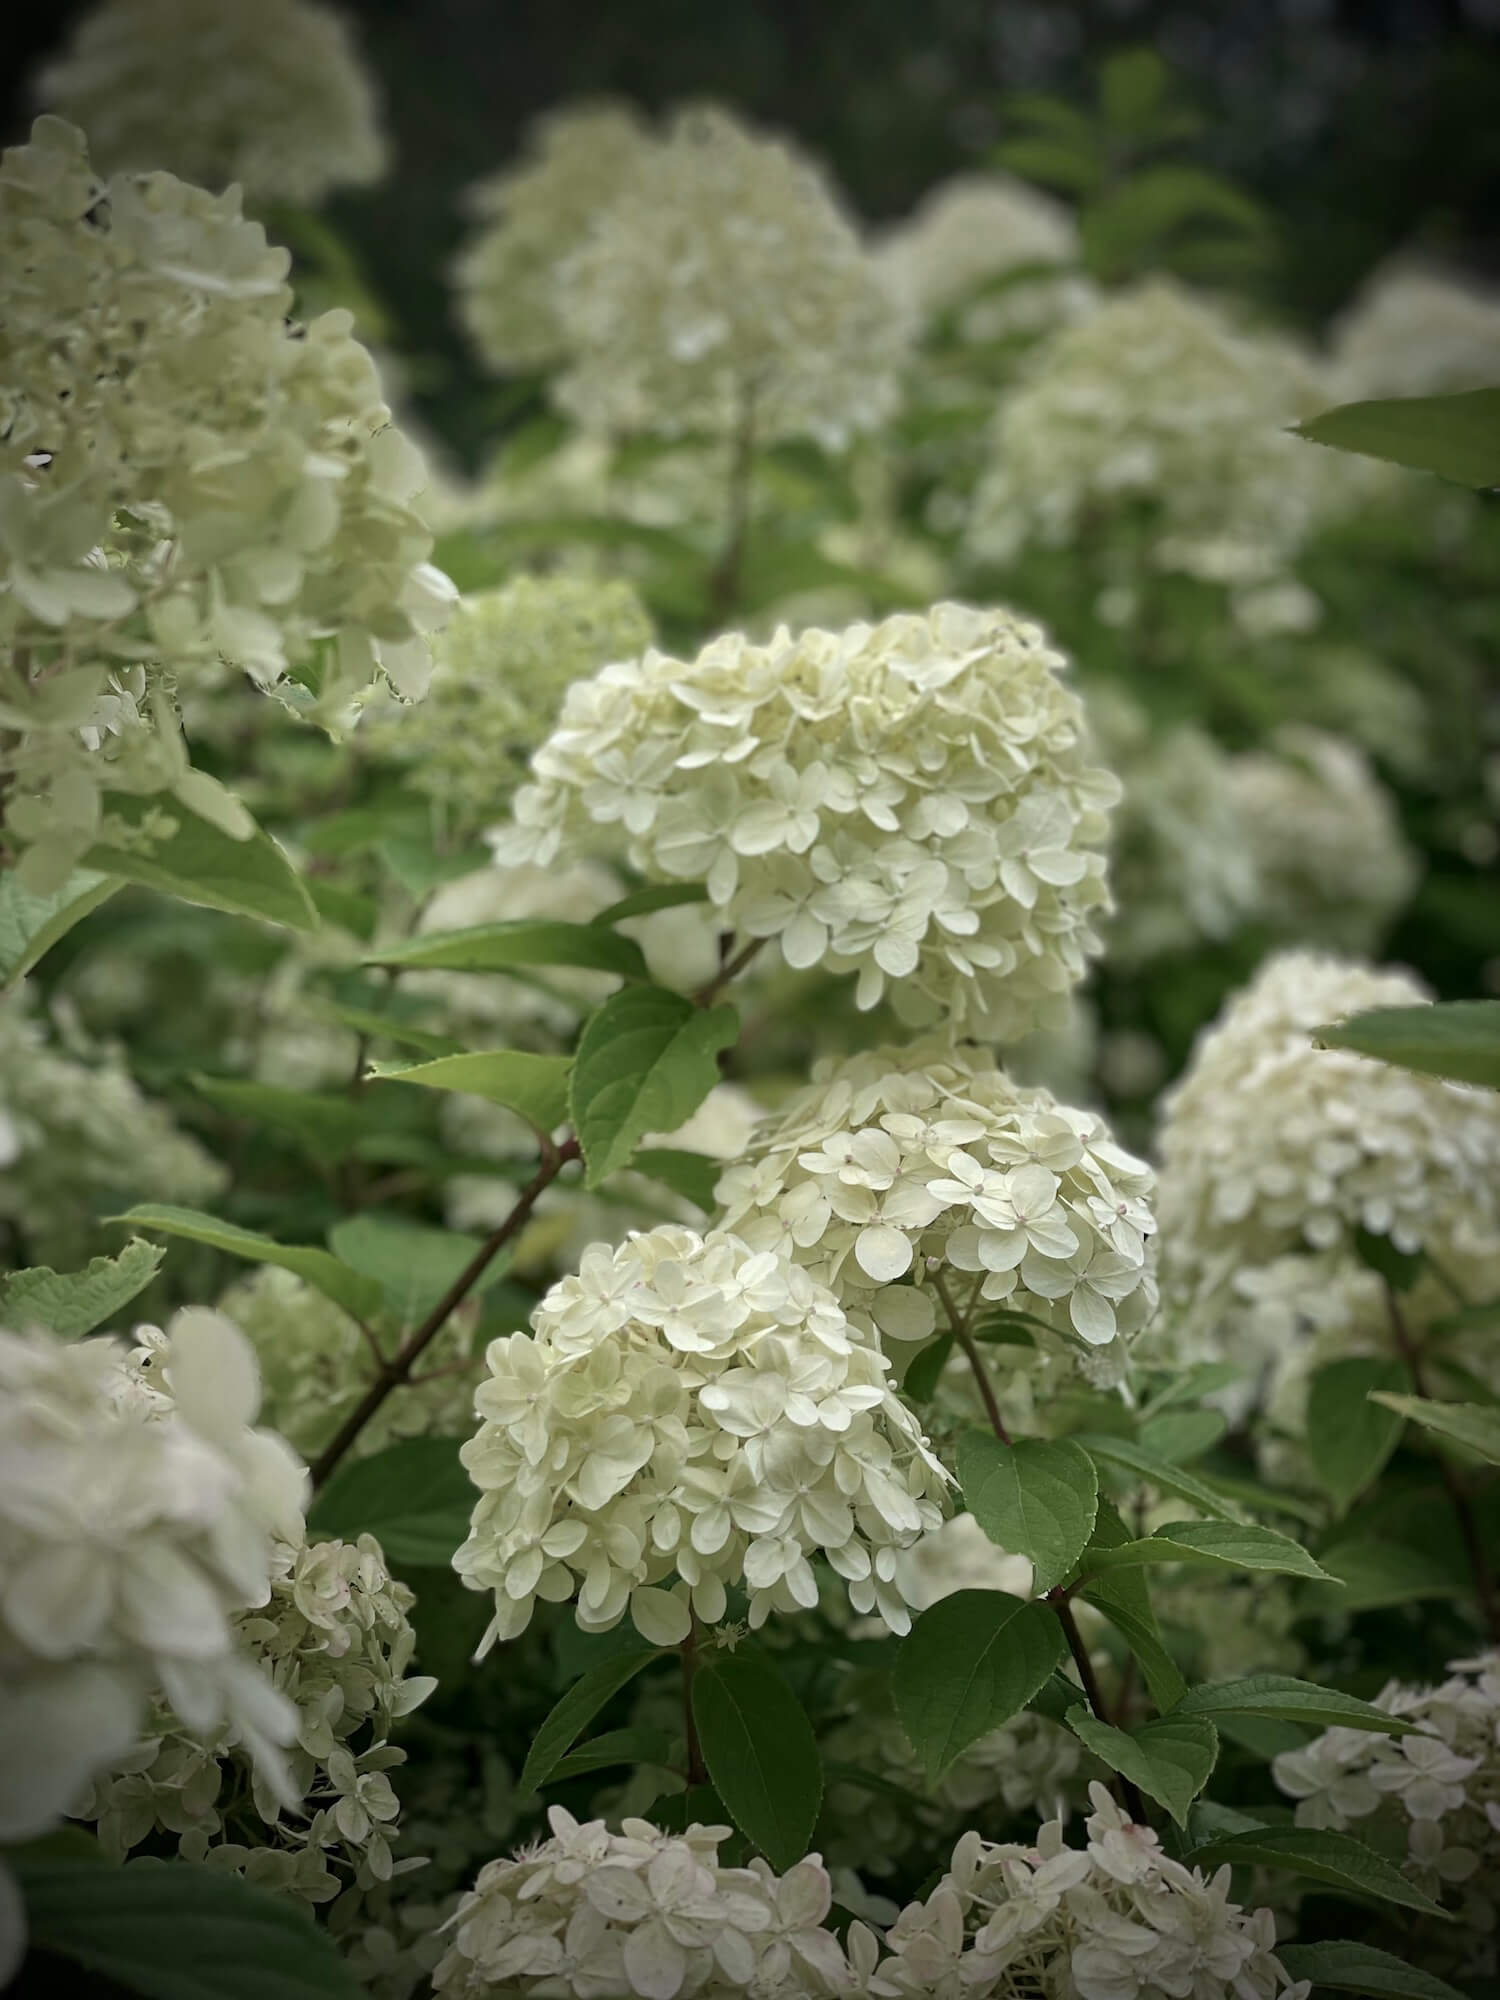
point(1270, 1145)
point(927, 1162)
point(1412, 331)
point(1160, 400)
point(135, 1520)
point(722, 290)
point(690, 1414)
point(1322, 835)
point(500, 670)
point(973, 230)
point(273, 97)
point(185, 479)
point(910, 801)
point(642, 1913)
point(532, 215)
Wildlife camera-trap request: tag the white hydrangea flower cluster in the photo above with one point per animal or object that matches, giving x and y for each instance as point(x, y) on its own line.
point(76, 1131)
point(529, 217)
point(1411, 331)
point(1158, 398)
point(133, 1526)
point(909, 800)
point(335, 1641)
point(721, 290)
point(1322, 837)
point(500, 670)
point(1115, 1920)
point(973, 230)
point(1271, 1147)
point(927, 1162)
point(689, 1415)
point(1439, 1786)
point(274, 97)
point(186, 479)
point(590, 1913)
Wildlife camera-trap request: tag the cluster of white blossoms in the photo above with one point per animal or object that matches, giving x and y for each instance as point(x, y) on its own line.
point(186, 479)
point(588, 1913)
point(721, 290)
point(500, 670)
point(690, 1415)
point(335, 1641)
point(529, 217)
point(134, 1524)
point(1416, 332)
point(1322, 836)
point(1273, 1148)
point(926, 1162)
point(910, 801)
point(1438, 1787)
point(1115, 1920)
point(78, 1135)
point(973, 231)
point(1159, 403)
point(273, 97)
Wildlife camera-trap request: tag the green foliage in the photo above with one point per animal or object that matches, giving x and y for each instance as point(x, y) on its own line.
point(1349, 1438)
point(1280, 1698)
point(1035, 1499)
point(414, 1497)
point(1342, 1967)
point(566, 1722)
point(30, 925)
point(75, 1302)
point(1475, 1426)
point(202, 864)
point(413, 1265)
point(645, 1062)
point(1170, 1760)
point(1217, 1544)
point(502, 947)
point(1336, 1860)
point(534, 1087)
point(760, 1751)
point(969, 1663)
point(328, 1274)
point(1458, 1039)
point(1457, 437)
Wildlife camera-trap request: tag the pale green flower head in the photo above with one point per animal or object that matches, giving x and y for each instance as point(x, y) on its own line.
point(273, 97)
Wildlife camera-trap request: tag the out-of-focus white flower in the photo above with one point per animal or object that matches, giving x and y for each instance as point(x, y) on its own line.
point(910, 800)
point(722, 290)
point(134, 1522)
point(531, 216)
point(1416, 332)
point(688, 1415)
point(926, 1162)
point(273, 97)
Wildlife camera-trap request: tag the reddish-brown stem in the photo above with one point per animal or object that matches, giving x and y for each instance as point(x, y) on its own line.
point(697, 1771)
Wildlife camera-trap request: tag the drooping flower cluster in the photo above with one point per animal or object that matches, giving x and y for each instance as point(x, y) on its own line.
point(721, 290)
point(1416, 332)
point(185, 479)
point(1115, 1920)
point(1159, 400)
point(909, 800)
point(134, 1524)
point(501, 669)
point(532, 215)
point(1439, 1788)
point(641, 1913)
point(690, 1415)
point(274, 97)
point(335, 1641)
point(929, 1162)
point(77, 1133)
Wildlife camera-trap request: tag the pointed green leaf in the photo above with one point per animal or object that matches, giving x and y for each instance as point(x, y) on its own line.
point(326, 1274)
point(969, 1663)
point(1350, 1438)
point(1037, 1498)
point(413, 1263)
point(1457, 437)
point(616, 1746)
point(1346, 1967)
point(323, 1123)
point(1125, 1600)
point(415, 1498)
point(525, 941)
point(761, 1753)
point(1180, 1436)
point(31, 925)
point(570, 1716)
point(1149, 1466)
point(199, 864)
point(646, 1060)
point(1217, 1544)
point(70, 1303)
point(1170, 1760)
point(534, 1087)
point(1457, 1039)
point(1476, 1426)
point(1377, 1574)
point(371, 1022)
point(692, 1175)
point(1283, 1699)
point(1335, 1859)
point(645, 902)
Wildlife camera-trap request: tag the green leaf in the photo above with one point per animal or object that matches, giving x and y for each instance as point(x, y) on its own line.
point(1457, 437)
point(645, 902)
point(969, 1663)
point(761, 1753)
point(1217, 1544)
point(616, 1746)
point(1202, 1379)
point(1349, 1438)
point(324, 1124)
point(1133, 87)
point(1399, 1268)
point(1475, 1426)
point(1282, 1699)
point(646, 1060)
point(1149, 1466)
point(1170, 1760)
point(692, 1175)
point(1377, 1574)
point(371, 1022)
point(173, 1930)
point(70, 1303)
point(414, 1497)
point(1347, 1967)
point(522, 942)
point(413, 1263)
point(1125, 1600)
point(534, 1087)
point(1457, 1039)
point(1335, 1859)
point(1182, 1435)
point(199, 864)
point(919, 1383)
point(324, 1273)
point(1036, 1498)
point(566, 1721)
point(31, 925)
